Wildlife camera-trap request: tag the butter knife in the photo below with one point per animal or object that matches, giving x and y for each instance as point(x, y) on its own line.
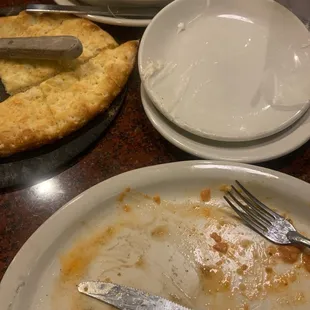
point(120, 11)
point(126, 298)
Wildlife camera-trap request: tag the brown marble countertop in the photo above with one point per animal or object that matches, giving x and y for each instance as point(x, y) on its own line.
point(129, 143)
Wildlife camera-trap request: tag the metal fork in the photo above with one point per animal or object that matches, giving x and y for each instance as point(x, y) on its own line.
point(262, 219)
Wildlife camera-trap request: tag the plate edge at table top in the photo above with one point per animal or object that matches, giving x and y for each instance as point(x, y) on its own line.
point(146, 101)
point(15, 270)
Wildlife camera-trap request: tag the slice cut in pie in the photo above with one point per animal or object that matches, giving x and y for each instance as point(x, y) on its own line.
point(53, 99)
point(20, 75)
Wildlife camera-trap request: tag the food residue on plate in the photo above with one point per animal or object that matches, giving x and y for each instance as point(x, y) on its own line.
point(225, 188)
point(205, 195)
point(219, 246)
point(241, 271)
point(74, 263)
point(216, 237)
point(190, 252)
point(140, 262)
point(126, 208)
point(289, 254)
point(123, 194)
point(157, 199)
point(160, 232)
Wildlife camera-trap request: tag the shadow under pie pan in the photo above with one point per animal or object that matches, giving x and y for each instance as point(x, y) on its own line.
point(29, 166)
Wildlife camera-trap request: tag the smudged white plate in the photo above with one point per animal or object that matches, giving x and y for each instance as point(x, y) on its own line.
point(248, 152)
point(156, 236)
point(108, 20)
point(129, 2)
point(228, 70)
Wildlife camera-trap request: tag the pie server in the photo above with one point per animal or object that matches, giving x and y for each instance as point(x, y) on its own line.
point(47, 47)
point(126, 298)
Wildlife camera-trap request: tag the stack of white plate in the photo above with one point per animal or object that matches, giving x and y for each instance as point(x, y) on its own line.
point(227, 79)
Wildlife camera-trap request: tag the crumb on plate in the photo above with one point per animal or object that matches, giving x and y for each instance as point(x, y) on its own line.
point(271, 250)
point(216, 237)
point(160, 232)
point(157, 199)
point(126, 208)
point(205, 195)
point(245, 243)
point(140, 262)
point(242, 269)
point(289, 254)
point(225, 188)
point(123, 194)
point(221, 247)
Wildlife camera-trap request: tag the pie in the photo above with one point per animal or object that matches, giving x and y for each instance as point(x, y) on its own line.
point(49, 99)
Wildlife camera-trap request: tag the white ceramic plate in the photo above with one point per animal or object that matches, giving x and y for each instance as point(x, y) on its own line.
point(249, 152)
point(228, 70)
point(134, 2)
point(109, 20)
point(122, 226)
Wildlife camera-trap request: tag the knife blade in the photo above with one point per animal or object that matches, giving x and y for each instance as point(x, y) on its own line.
point(120, 11)
point(126, 298)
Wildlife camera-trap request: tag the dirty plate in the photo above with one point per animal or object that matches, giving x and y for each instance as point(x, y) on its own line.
point(260, 150)
point(167, 230)
point(227, 70)
point(126, 22)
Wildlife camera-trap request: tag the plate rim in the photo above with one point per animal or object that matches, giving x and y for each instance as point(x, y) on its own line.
point(14, 269)
point(200, 132)
point(183, 145)
point(110, 20)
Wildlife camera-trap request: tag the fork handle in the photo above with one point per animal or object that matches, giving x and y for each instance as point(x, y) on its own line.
point(296, 237)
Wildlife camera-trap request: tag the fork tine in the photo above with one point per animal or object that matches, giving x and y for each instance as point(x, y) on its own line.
point(258, 203)
point(260, 229)
point(253, 209)
point(250, 211)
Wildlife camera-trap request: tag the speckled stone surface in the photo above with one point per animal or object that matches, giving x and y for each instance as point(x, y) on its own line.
point(129, 143)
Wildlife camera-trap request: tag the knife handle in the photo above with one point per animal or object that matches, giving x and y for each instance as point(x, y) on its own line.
point(53, 48)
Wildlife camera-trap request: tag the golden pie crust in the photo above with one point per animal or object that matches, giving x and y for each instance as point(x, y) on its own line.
point(52, 99)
